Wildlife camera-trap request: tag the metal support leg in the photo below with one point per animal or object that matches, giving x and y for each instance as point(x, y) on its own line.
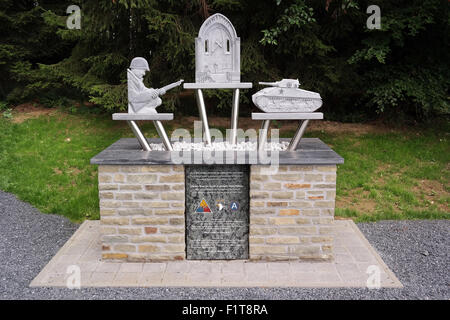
point(234, 116)
point(298, 135)
point(163, 135)
point(203, 117)
point(137, 132)
point(263, 135)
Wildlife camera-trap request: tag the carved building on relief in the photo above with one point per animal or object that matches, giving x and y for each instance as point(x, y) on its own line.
point(217, 52)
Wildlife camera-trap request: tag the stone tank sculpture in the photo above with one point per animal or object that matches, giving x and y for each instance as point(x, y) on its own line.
point(285, 96)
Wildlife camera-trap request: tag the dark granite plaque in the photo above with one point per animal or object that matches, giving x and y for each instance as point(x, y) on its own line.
point(217, 212)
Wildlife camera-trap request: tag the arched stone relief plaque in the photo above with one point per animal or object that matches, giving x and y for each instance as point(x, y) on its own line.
point(217, 52)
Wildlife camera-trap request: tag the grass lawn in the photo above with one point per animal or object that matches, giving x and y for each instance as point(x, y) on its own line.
point(387, 174)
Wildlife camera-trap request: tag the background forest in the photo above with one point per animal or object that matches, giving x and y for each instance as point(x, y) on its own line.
point(399, 72)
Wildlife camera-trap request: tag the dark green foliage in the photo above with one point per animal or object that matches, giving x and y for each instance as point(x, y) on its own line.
point(400, 71)
point(26, 39)
point(407, 61)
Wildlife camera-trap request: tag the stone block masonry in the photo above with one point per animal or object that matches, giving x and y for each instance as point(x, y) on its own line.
point(142, 212)
point(291, 212)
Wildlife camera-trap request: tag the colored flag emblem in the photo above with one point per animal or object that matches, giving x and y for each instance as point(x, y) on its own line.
point(203, 207)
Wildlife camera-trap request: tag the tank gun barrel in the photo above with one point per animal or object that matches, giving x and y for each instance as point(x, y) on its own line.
point(269, 83)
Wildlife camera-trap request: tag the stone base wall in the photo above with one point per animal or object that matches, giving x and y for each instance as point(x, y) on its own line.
point(142, 212)
point(291, 212)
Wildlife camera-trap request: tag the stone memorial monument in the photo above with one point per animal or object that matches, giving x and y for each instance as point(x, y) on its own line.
point(155, 208)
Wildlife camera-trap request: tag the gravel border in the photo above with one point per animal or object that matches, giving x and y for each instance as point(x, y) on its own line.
point(417, 251)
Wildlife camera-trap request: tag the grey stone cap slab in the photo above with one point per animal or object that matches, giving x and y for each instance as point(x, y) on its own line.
point(216, 85)
point(127, 151)
point(146, 116)
point(287, 115)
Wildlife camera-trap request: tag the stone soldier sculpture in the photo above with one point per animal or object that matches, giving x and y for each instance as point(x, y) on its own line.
point(140, 98)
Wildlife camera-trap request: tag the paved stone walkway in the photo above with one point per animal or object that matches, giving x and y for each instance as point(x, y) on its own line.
point(353, 256)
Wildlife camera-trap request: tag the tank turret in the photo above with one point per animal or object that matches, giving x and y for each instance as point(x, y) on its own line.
point(285, 96)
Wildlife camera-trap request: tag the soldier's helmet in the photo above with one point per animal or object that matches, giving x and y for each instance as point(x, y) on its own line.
point(139, 63)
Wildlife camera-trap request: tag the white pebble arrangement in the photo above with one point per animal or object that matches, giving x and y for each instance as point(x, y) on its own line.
point(221, 146)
